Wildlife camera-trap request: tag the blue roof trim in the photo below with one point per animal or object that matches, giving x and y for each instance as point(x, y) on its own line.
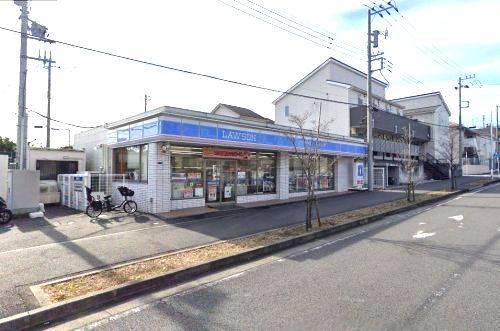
point(223, 134)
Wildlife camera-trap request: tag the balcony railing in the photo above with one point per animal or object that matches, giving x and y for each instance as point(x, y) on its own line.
point(394, 147)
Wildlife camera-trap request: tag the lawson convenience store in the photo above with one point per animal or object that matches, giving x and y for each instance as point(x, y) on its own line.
point(176, 158)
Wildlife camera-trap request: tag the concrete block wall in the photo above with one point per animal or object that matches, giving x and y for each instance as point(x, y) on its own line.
point(255, 198)
point(141, 196)
point(186, 203)
point(159, 177)
point(303, 194)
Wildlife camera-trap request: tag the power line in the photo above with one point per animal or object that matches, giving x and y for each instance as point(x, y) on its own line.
point(328, 36)
point(263, 88)
point(406, 77)
point(286, 30)
point(76, 126)
point(429, 49)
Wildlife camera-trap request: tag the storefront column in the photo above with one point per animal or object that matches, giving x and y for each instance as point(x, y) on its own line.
point(282, 176)
point(343, 168)
point(159, 177)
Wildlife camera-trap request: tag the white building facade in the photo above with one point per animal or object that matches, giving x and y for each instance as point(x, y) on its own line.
point(339, 91)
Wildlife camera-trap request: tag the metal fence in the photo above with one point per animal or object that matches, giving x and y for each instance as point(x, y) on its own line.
point(379, 178)
point(72, 187)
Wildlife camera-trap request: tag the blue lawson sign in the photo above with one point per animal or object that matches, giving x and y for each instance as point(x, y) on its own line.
point(216, 133)
point(360, 170)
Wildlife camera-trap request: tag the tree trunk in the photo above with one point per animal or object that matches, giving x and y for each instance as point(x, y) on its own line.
point(317, 210)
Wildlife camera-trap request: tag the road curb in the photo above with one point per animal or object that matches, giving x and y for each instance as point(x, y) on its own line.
point(42, 315)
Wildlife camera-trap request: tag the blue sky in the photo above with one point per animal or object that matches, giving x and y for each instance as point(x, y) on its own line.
point(211, 37)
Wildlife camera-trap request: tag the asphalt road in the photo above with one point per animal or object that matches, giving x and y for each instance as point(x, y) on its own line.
point(35, 251)
point(435, 268)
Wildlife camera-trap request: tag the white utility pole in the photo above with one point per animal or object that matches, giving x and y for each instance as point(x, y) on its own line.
point(22, 119)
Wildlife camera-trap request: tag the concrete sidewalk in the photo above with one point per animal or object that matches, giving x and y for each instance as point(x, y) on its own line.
point(35, 251)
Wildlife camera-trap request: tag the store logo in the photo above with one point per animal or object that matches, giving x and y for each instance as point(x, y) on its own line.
point(240, 136)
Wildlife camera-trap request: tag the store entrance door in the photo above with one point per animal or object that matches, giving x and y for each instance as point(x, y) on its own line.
point(220, 176)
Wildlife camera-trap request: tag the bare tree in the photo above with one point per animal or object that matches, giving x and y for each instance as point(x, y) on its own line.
point(306, 144)
point(450, 153)
point(408, 163)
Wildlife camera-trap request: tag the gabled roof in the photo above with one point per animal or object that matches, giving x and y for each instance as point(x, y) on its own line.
point(418, 96)
point(321, 66)
point(240, 111)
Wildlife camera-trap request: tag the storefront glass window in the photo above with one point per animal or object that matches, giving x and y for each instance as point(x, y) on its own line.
point(187, 173)
point(257, 175)
point(297, 181)
point(132, 161)
point(247, 177)
point(324, 179)
point(267, 174)
point(325, 173)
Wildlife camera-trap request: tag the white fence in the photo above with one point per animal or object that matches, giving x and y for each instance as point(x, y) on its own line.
point(72, 187)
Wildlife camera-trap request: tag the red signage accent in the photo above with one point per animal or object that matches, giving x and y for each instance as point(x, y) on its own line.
point(221, 153)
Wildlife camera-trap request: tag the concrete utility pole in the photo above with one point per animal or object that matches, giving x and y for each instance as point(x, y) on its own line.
point(460, 129)
point(22, 119)
point(369, 128)
point(48, 63)
point(49, 84)
point(496, 145)
point(491, 144)
point(146, 99)
point(369, 120)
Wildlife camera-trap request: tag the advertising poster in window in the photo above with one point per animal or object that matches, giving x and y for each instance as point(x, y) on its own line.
point(212, 193)
point(360, 180)
point(227, 191)
point(188, 192)
point(323, 183)
point(198, 192)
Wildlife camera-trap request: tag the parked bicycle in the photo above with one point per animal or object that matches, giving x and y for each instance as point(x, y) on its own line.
point(96, 206)
point(5, 214)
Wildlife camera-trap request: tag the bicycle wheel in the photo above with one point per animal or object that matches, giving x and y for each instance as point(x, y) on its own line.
point(93, 211)
point(130, 207)
point(5, 216)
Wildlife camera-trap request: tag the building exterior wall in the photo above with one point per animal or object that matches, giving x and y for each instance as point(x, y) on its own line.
point(55, 155)
point(336, 114)
point(224, 111)
point(4, 169)
point(344, 174)
point(342, 74)
point(97, 154)
point(430, 108)
point(153, 196)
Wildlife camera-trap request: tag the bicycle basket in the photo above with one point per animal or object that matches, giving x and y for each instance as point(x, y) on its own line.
point(96, 204)
point(125, 191)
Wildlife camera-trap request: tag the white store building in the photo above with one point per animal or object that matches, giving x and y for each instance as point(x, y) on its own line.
point(176, 158)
